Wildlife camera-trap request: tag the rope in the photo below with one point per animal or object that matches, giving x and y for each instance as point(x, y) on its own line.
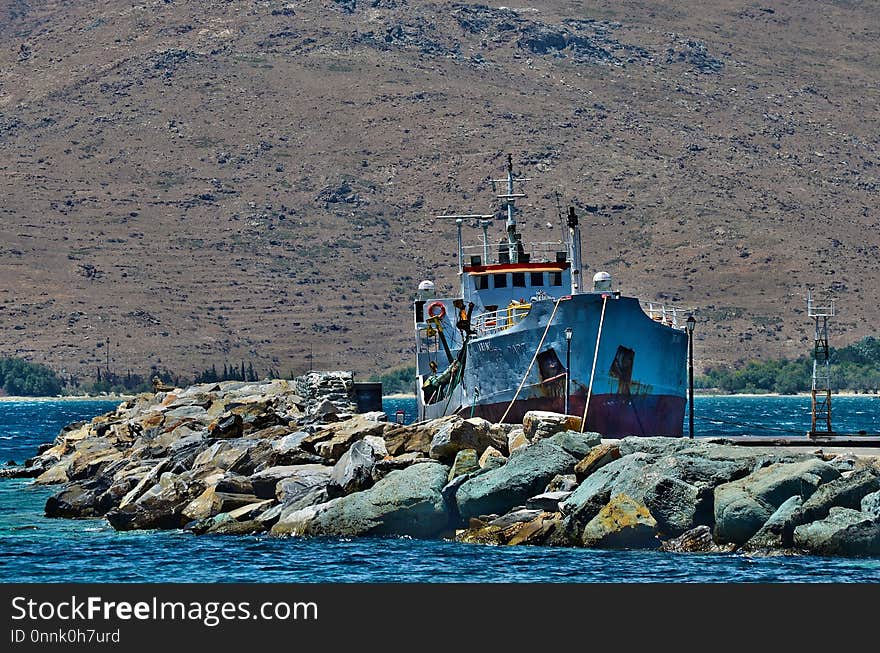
point(534, 358)
point(595, 358)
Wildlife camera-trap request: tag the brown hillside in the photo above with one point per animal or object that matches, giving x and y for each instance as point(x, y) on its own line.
point(206, 181)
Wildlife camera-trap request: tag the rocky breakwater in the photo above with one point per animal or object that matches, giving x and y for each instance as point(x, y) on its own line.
point(291, 458)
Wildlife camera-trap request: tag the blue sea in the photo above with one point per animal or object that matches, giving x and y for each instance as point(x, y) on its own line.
point(36, 549)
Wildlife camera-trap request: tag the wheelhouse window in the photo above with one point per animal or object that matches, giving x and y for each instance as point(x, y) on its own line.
point(500, 280)
point(537, 279)
point(556, 278)
point(481, 282)
point(518, 279)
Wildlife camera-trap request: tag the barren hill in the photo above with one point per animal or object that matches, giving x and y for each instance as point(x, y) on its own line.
point(194, 182)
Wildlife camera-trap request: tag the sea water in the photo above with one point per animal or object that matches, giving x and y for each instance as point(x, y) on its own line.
point(36, 549)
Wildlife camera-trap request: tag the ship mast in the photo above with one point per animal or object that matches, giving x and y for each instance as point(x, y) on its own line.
point(574, 251)
point(510, 198)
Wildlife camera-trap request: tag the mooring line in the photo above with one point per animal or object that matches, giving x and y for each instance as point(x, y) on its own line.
point(534, 358)
point(595, 358)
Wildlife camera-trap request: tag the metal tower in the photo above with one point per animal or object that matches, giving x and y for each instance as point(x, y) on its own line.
point(820, 392)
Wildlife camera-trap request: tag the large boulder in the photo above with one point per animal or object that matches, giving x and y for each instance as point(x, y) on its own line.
point(526, 474)
point(465, 462)
point(575, 443)
point(79, 499)
point(743, 506)
point(844, 531)
point(302, 480)
point(844, 492)
point(405, 502)
point(454, 434)
point(161, 506)
point(597, 457)
point(354, 471)
point(542, 424)
point(400, 440)
point(332, 441)
point(623, 523)
point(696, 540)
point(517, 527)
point(777, 530)
point(870, 504)
point(211, 502)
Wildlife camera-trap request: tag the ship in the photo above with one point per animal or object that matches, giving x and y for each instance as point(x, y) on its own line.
point(526, 332)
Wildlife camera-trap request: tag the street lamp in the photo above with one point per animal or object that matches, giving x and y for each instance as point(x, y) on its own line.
point(689, 326)
point(568, 333)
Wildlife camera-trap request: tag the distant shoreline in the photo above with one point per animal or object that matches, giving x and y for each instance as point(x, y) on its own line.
point(10, 399)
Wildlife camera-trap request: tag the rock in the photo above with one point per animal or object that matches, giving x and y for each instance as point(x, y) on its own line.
point(526, 474)
point(595, 491)
point(354, 471)
point(520, 527)
point(301, 481)
point(538, 424)
point(289, 451)
point(235, 484)
point(623, 523)
point(843, 492)
point(331, 442)
point(492, 458)
point(211, 502)
point(743, 506)
point(776, 533)
point(375, 416)
point(192, 412)
point(325, 411)
point(159, 507)
point(871, 504)
point(548, 501)
point(696, 540)
point(224, 454)
point(250, 510)
point(270, 516)
point(844, 531)
point(465, 463)
point(562, 483)
point(516, 439)
point(406, 502)
point(228, 426)
point(146, 481)
point(232, 527)
point(598, 456)
point(577, 444)
point(401, 440)
point(382, 467)
point(454, 434)
point(78, 500)
point(56, 474)
point(265, 482)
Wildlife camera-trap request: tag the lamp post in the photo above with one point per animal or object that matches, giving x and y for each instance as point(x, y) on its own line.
point(690, 324)
point(568, 333)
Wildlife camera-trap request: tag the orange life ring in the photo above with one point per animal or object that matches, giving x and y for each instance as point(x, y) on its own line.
point(440, 313)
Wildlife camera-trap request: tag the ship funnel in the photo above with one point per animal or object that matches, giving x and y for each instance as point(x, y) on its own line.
point(601, 281)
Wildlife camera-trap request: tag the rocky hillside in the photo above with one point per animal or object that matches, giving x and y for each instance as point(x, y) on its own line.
point(191, 182)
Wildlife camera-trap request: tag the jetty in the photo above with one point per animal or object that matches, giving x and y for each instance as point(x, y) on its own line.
point(295, 458)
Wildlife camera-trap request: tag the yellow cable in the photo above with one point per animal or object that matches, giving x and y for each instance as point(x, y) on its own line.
point(526, 375)
point(595, 358)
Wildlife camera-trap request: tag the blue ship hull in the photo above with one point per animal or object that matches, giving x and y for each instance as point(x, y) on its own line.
point(639, 382)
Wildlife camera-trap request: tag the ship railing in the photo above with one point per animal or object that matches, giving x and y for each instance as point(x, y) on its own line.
point(496, 321)
point(673, 316)
point(535, 252)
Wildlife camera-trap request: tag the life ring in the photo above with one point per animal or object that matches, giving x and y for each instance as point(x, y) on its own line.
point(441, 312)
